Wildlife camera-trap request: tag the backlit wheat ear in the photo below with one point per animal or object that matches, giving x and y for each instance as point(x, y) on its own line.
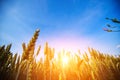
point(24, 47)
point(13, 61)
point(17, 63)
point(38, 50)
point(30, 46)
point(46, 49)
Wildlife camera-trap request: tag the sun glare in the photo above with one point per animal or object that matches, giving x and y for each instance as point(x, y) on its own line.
point(65, 60)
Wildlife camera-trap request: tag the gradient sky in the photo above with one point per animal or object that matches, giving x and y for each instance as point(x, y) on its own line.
point(69, 24)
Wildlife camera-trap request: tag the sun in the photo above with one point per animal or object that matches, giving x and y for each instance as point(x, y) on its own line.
point(65, 60)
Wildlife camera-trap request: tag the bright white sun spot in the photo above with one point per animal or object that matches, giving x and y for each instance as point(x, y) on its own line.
point(65, 60)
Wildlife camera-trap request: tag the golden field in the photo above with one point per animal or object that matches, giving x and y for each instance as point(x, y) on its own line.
point(57, 66)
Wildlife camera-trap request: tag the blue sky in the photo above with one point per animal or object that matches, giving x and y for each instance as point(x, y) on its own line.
point(69, 24)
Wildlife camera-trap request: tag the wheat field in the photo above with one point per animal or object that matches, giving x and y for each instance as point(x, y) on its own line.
point(93, 65)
